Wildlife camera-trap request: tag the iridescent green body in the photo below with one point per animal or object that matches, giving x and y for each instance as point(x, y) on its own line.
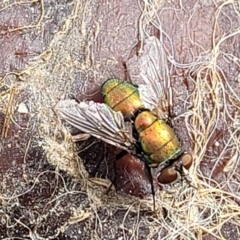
point(121, 96)
point(157, 139)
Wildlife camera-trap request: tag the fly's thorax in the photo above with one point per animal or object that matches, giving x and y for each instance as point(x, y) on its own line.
point(121, 96)
point(157, 138)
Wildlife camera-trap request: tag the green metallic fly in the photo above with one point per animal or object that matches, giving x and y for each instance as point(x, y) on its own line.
point(134, 117)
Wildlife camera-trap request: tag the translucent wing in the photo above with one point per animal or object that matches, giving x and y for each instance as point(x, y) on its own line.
point(98, 120)
point(151, 73)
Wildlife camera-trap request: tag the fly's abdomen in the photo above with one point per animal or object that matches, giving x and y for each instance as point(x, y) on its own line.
point(121, 96)
point(157, 138)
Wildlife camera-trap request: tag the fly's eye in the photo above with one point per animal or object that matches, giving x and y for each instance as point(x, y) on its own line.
point(187, 160)
point(168, 175)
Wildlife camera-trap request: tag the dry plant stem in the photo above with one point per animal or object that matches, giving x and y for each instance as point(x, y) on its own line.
point(9, 113)
point(29, 26)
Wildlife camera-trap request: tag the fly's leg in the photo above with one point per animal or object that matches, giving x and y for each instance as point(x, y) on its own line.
point(121, 154)
point(118, 156)
point(149, 175)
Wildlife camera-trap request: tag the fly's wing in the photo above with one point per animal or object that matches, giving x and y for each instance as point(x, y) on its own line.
point(151, 73)
point(98, 120)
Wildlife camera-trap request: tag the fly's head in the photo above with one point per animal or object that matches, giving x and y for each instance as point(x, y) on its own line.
point(177, 170)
